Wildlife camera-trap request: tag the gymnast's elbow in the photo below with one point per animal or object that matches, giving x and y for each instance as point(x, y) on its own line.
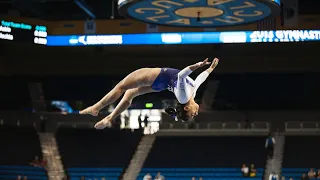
point(181, 75)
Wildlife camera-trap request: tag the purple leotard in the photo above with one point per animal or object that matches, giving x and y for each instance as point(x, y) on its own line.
point(166, 79)
point(179, 82)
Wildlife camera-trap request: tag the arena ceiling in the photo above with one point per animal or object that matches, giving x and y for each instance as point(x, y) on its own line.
point(101, 9)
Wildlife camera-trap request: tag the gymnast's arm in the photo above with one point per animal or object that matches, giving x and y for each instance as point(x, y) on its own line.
point(189, 69)
point(204, 75)
point(181, 94)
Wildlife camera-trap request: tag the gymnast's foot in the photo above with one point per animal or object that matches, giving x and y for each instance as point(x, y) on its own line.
point(106, 122)
point(90, 110)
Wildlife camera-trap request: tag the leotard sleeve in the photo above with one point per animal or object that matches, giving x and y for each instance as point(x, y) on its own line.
point(184, 72)
point(181, 91)
point(199, 80)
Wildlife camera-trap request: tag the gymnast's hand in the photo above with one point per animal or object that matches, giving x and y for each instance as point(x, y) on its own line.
point(203, 63)
point(214, 63)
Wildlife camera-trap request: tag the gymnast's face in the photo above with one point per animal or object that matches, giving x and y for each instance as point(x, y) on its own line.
point(192, 110)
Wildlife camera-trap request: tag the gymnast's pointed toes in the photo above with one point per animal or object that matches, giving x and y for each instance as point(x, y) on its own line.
point(90, 110)
point(103, 124)
point(99, 125)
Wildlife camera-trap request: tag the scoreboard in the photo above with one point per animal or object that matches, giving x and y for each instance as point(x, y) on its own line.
point(37, 34)
point(279, 36)
point(22, 32)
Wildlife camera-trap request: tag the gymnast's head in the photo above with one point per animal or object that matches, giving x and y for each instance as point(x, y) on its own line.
point(184, 112)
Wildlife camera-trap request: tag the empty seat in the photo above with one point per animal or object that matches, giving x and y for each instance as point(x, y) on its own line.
point(206, 173)
point(12, 172)
point(92, 148)
point(301, 152)
point(206, 152)
point(13, 139)
point(96, 154)
point(92, 173)
point(295, 173)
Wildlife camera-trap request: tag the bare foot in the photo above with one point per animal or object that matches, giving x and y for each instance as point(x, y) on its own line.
point(90, 110)
point(105, 122)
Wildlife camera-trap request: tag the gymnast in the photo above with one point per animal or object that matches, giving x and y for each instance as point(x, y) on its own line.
point(147, 80)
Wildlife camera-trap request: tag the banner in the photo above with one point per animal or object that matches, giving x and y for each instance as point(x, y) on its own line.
point(290, 13)
point(186, 38)
point(89, 27)
point(209, 29)
point(267, 24)
point(152, 28)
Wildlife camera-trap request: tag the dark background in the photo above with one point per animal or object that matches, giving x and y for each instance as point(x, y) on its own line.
point(68, 10)
point(277, 76)
point(266, 76)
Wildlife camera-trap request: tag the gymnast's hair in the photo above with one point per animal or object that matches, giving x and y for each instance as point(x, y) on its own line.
point(178, 113)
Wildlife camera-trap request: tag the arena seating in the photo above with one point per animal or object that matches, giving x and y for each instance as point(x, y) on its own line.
point(181, 152)
point(276, 91)
point(20, 146)
point(218, 158)
point(205, 173)
point(96, 154)
point(10, 97)
point(22, 140)
point(301, 152)
point(295, 173)
point(92, 173)
point(12, 172)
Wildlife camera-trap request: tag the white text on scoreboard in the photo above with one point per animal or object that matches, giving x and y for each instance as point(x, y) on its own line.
point(284, 36)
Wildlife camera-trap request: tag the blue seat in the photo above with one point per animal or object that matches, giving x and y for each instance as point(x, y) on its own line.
point(207, 173)
point(295, 170)
point(11, 172)
point(25, 172)
point(109, 178)
point(188, 178)
point(91, 173)
point(95, 174)
point(191, 169)
point(29, 177)
point(29, 168)
point(292, 174)
point(95, 169)
point(212, 174)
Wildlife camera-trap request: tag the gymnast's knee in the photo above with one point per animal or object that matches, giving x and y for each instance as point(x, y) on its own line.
point(121, 87)
point(130, 94)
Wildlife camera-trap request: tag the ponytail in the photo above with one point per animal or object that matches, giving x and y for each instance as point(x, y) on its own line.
point(171, 111)
point(178, 113)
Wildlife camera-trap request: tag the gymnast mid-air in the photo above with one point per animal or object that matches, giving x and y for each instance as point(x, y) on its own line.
point(147, 80)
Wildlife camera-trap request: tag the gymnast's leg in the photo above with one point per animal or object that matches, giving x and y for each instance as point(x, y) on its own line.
point(139, 78)
point(123, 105)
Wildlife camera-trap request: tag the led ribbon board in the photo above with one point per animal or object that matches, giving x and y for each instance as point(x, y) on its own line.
point(186, 38)
point(22, 32)
point(199, 13)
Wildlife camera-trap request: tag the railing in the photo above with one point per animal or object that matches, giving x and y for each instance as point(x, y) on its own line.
point(261, 126)
point(302, 126)
point(88, 125)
